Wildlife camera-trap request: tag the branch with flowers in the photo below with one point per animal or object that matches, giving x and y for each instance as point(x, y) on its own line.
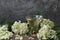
point(40, 27)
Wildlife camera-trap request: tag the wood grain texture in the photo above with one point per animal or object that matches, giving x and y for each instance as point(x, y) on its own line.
point(19, 9)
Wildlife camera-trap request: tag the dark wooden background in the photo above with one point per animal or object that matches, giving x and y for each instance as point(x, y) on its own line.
point(19, 9)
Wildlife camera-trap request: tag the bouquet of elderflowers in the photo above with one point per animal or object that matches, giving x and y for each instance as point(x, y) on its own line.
point(19, 28)
point(4, 33)
point(46, 32)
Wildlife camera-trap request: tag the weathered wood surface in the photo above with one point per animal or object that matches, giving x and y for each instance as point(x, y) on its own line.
point(19, 9)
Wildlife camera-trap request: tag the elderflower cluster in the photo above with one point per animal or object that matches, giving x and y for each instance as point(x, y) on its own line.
point(4, 33)
point(46, 31)
point(3, 28)
point(18, 37)
point(19, 27)
point(47, 22)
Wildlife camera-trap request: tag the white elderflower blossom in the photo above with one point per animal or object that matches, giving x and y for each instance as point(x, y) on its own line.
point(46, 32)
point(23, 28)
point(21, 38)
point(18, 37)
point(16, 27)
point(4, 33)
point(4, 28)
point(47, 22)
point(19, 27)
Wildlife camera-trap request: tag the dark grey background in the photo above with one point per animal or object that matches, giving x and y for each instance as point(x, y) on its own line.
point(19, 9)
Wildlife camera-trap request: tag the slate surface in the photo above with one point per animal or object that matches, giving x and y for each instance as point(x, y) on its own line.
point(19, 9)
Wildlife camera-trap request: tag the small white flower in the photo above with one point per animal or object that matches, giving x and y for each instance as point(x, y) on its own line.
point(17, 37)
point(21, 38)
